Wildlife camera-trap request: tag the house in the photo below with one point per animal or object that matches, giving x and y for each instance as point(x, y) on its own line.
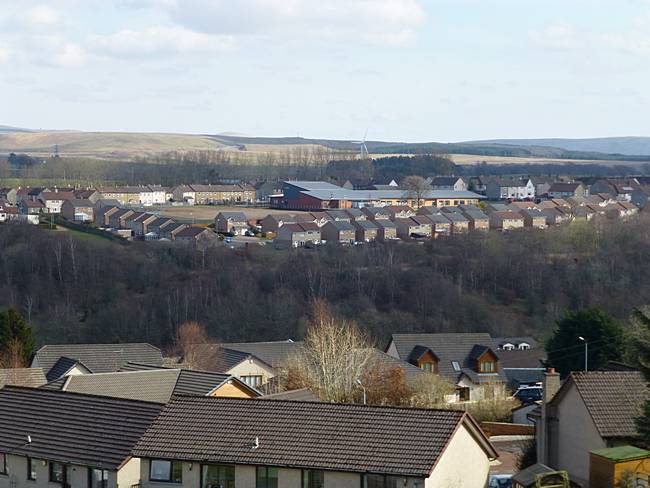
point(194, 234)
point(55, 438)
point(311, 444)
point(556, 216)
point(76, 210)
point(53, 200)
point(233, 222)
point(87, 194)
point(427, 225)
point(376, 213)
point(184, 193)
point(158, 385)
point(9, 194)
point(442, 224)
point(319, 218)
point(338, 231)
point(399, 211)
point(386, 229)
point(61, 360)
point(448, 183)
point(117, 220)
point(533, 218)
point(459, 223)
point(620, 188)
point(31, 207)
point(299, 234)
point(247, 367)
point(273, 222)
point(566, 190)
point(355, 214)
point(506, 220)
point(27, 377)
point(477, 220)
point(510, 189)
point(365, 230)
point(208, 194)
point(468, 361)
point(589, 411)
point(157, 226)
point(138, 222)
point(408, 228)
point(170, 231)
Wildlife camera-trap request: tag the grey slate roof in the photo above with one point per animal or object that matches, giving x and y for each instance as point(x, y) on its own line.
point(62, 366)
point(301, 395)
point(72, 428)
point(273, 353)
point(613, 398)
point(447, 347)
point(354, 438)
point(28, 377)
point(411, 372)
point(235, 216)
point(522, 376)
point(98, 358)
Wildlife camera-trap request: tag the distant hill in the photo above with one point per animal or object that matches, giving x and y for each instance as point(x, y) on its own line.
point(7, 128)
point(629, 146)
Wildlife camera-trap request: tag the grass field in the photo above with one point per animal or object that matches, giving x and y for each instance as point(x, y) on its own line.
point(206, 214)
point(472, 159)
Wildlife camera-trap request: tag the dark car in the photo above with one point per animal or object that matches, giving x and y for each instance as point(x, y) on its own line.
point(529, 395)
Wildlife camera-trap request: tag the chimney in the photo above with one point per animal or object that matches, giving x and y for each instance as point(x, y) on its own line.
point(550, 386)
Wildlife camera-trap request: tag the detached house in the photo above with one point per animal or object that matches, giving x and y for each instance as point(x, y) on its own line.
point(53, 438)
point(510, 189)
point(233, 222)
point(469, 361)
point(228, 442)
point(448, 183)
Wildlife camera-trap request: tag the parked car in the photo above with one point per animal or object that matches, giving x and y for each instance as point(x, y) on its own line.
point(529, 394)
point(500, 481)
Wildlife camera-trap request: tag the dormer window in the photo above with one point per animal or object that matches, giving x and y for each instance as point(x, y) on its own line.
point(429, 367)
point(524, 346)
point(487, 367)
point(508, 346)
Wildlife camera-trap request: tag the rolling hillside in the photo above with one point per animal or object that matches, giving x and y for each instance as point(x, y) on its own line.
point(630, 146)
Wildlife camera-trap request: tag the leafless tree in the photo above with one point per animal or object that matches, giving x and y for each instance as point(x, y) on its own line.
point(415, 187)
point(195, 348)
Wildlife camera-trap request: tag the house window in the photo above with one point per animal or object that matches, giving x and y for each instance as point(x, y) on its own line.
point(313, 479)
point(31, 469)
point(217, 476)
point(429, 367)
point(487, 367)
point(166, 471)
point(524, 346)
point(463, 394)
point(97, 478)
point(386, 481)
point(3, 463)
point(57, 473)
point(253, 380)
point(266, 477)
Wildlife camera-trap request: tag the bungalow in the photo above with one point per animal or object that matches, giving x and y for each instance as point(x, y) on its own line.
point(566, 190)
point(468, 361)
point(158, 385)
point(590, 410)
point(533, 218)
point(386, 229)
point(76, 210)
point(338, 231)
point(299, 235)
point(506, 220)
point(58, 360)
point(366, 230)
point(477, 220)
point(233, 222)
point(279, 443)
point(54, 438)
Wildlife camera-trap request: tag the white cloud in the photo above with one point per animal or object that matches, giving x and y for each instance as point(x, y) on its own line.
point(5, 54)
point(69, 55)
point(159, 41)
point(637, 44)
point(383, 21)
point(560, 35)
point(41, 15)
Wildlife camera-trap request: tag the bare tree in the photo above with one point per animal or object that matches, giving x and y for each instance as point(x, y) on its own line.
point(12, 356)
point(430, 390)
point(415, 187)
point(195, 348)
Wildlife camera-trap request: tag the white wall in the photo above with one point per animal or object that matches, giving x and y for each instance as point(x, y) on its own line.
point(129, 475)
point(251, 367)
point(463, 464)
point(573, 436)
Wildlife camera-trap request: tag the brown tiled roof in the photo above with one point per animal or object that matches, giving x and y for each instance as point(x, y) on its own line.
point(613, 399)
point(353, 438)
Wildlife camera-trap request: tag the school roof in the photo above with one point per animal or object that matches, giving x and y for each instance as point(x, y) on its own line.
point(338, 193)
point(98, 358)
point(311, 435)
point(72, 428)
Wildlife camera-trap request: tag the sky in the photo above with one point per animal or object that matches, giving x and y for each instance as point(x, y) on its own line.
point(402, 70)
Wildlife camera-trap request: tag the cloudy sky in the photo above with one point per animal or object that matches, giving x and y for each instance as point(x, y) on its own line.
point(411, 70)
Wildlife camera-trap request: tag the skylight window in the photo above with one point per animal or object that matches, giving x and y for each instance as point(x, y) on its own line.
point(455, 365)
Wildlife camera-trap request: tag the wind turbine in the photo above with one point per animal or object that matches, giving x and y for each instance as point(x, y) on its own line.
point(363, 149)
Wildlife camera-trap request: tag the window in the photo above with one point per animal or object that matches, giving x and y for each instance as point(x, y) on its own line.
point(266, 477)
point(313, 479)
point(98, 478)
point(524, 346)
point(463, 394)
point(487, 367)
point(385, 481)
point(253, 380)
point(31, 469)
point(375, 481)
point(57, 473)
point(455, 365)
point(3, 463)
point(217, 476)
point(166, 471)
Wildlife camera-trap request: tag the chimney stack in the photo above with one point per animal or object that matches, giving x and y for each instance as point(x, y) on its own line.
point(550, 386)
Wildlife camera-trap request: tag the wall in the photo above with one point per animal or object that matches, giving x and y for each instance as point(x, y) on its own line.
point(129, 475)
point(231, 390)
point(572, 436)
point(463, 464)
point(251, 367)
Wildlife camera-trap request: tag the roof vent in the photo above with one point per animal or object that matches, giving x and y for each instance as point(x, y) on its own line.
point(256, 443)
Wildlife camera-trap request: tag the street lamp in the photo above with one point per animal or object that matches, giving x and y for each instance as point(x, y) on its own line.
point(586, 351)
point(358, 382)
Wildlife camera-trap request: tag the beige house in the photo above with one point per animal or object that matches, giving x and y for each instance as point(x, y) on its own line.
point(277, 443)
point(589, 411)
point(506, 220)
point(53, 438)
point(76, 210)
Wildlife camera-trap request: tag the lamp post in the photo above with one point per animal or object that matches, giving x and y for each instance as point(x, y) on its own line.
point(586, 352)
point(358, 382)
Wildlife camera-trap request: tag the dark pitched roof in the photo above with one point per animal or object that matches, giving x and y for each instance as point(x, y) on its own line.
point(411, 372)
point(28, 377)
point(62, 366)
point(301, 395)
point(354, 438)
point(418, 352)
point(448, 347)
point(68, 427)
point(98, 358)
point(273, 353)
point(523, 376)
point(613, 398)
